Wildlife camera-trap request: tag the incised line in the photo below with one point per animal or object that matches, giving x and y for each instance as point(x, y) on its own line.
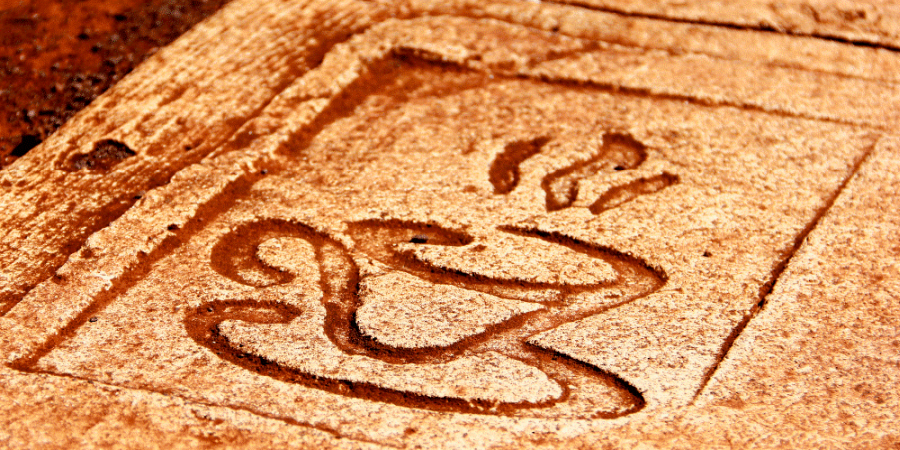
point(733, 26)
point(767, 288)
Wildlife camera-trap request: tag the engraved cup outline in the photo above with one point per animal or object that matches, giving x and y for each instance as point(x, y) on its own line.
point(341, 300)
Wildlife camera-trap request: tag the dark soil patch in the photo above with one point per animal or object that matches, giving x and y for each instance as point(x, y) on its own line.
point(56, 56)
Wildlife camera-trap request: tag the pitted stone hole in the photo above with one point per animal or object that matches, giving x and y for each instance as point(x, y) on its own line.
point(106, 154)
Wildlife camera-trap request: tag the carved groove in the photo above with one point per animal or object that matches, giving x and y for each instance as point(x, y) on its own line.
point(626, 193)
point(504, 172)
point(618, 152)
point(340, 281)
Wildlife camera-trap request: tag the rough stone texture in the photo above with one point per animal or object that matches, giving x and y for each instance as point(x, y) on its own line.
point(875, 22)
point(836, 370)
point(402, 310)
point(605, 231)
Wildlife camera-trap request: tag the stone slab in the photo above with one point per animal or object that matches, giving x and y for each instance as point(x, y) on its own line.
point(648, 223)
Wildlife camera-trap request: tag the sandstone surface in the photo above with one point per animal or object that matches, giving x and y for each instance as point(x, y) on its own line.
point(463, 224)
